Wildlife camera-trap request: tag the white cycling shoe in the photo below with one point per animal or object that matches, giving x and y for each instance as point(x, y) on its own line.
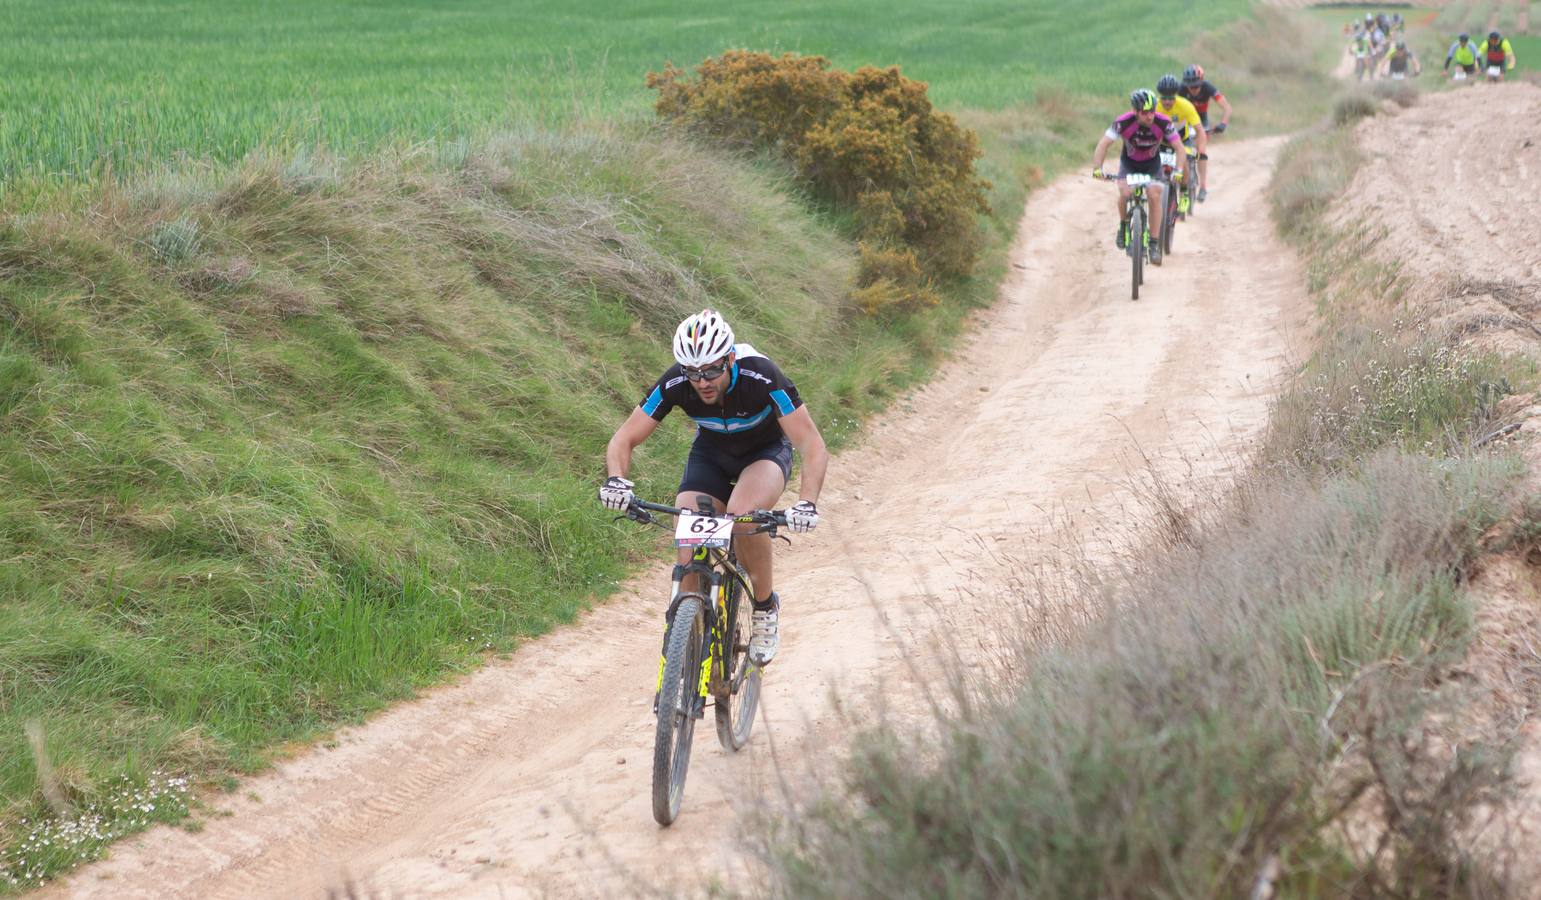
point(765, 632)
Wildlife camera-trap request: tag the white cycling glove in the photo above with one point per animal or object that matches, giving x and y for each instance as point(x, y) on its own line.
point(803, 517)
point(616, 493)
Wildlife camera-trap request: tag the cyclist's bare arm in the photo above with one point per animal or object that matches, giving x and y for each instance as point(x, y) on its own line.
point(804, 434)
point(1101, 153)
point(1225, 109)
point(1176, 142)
point(632, 432)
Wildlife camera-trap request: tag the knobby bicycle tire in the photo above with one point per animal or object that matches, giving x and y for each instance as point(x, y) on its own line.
point(735, 706)
point(678, 695)
point(1169, 221)
point(1137, 248)
point(1190, 186)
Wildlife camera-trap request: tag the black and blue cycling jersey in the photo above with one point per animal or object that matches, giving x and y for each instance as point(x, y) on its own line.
point(746, 419)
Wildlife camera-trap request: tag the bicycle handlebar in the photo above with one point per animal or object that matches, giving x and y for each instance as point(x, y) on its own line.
point(768, 519)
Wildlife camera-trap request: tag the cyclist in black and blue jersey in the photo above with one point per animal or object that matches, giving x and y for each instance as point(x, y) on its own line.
point(748, 417)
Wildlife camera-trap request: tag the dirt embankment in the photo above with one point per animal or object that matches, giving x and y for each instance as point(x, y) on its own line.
point(533, 774)
point(1447, 193)
point(1452, 183)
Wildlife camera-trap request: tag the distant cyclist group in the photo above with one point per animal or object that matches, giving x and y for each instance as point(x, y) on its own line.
point(1379, 50)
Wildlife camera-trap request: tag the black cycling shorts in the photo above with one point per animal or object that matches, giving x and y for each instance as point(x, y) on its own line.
point(714, 472)
point(1127, 166)
point(1469, 69)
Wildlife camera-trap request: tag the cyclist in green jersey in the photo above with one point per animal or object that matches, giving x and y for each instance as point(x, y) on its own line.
point(1464, 54)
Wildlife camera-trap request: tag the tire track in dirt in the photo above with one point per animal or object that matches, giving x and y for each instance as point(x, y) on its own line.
point(532, 775)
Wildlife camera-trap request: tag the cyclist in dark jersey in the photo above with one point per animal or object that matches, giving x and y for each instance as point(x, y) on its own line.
point(1200, 92)
point(748, 417)
point(1400, 59)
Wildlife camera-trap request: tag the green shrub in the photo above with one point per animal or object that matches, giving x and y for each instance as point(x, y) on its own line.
point(890, 280)
point(867, 141)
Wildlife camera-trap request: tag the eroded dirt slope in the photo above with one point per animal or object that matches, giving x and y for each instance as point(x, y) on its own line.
point(533, 775)
point(1447, 195)
point(1450, 188)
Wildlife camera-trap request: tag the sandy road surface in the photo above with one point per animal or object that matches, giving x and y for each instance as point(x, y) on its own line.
point(533, 775)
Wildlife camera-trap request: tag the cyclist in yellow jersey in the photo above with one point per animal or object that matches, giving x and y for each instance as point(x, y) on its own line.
point(1190, 126)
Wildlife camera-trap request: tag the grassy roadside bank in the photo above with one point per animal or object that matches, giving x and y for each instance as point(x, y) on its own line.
point(1246, 712)
point(288, 439)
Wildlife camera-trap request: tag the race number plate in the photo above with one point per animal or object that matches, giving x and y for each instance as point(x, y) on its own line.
point(1494, 71)
point(1169, 158)
point(1136, 180)
point(702, 531)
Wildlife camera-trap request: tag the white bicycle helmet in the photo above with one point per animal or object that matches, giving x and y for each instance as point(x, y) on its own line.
point(702, 338)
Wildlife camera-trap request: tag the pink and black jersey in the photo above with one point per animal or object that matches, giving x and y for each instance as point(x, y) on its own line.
point(1142, 142)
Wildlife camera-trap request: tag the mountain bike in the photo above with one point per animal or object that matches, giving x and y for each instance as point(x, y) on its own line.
point(706, 643)
point(1139, 233)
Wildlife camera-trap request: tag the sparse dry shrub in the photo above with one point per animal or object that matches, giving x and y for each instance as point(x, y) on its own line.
point(868, 141)
point(1402, 93)
point(1353, 107)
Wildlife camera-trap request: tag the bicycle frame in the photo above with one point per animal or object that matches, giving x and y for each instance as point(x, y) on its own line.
point(716, 568)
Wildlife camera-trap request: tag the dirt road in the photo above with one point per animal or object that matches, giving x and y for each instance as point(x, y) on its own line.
point(532, 775)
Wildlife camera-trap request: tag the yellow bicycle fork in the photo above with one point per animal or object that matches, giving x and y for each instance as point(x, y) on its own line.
point(704, 687)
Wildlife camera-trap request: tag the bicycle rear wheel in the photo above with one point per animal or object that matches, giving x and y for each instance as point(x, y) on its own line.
point(1191, 187)
point(1137, 248)
point(1169, 222)
point(678, 699)
point(735, 706)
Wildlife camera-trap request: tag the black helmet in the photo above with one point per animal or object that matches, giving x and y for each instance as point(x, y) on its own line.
point(1193, 75)
point(1463, 37)
point(1141, 100)
point(1494, 36)
point(1168, 86)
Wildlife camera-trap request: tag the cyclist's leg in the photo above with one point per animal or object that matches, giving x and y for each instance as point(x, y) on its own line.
point(1155, 196)
point(759, 487)
point(1124, 192)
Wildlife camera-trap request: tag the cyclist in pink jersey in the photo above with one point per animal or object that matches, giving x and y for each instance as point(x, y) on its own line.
point(1144, 131)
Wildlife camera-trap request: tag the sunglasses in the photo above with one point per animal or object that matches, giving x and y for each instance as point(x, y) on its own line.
point(705, 373)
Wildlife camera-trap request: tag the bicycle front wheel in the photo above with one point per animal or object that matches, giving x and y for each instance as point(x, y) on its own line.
point(735, 706)
point(679, 700)
point(1137, 248)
